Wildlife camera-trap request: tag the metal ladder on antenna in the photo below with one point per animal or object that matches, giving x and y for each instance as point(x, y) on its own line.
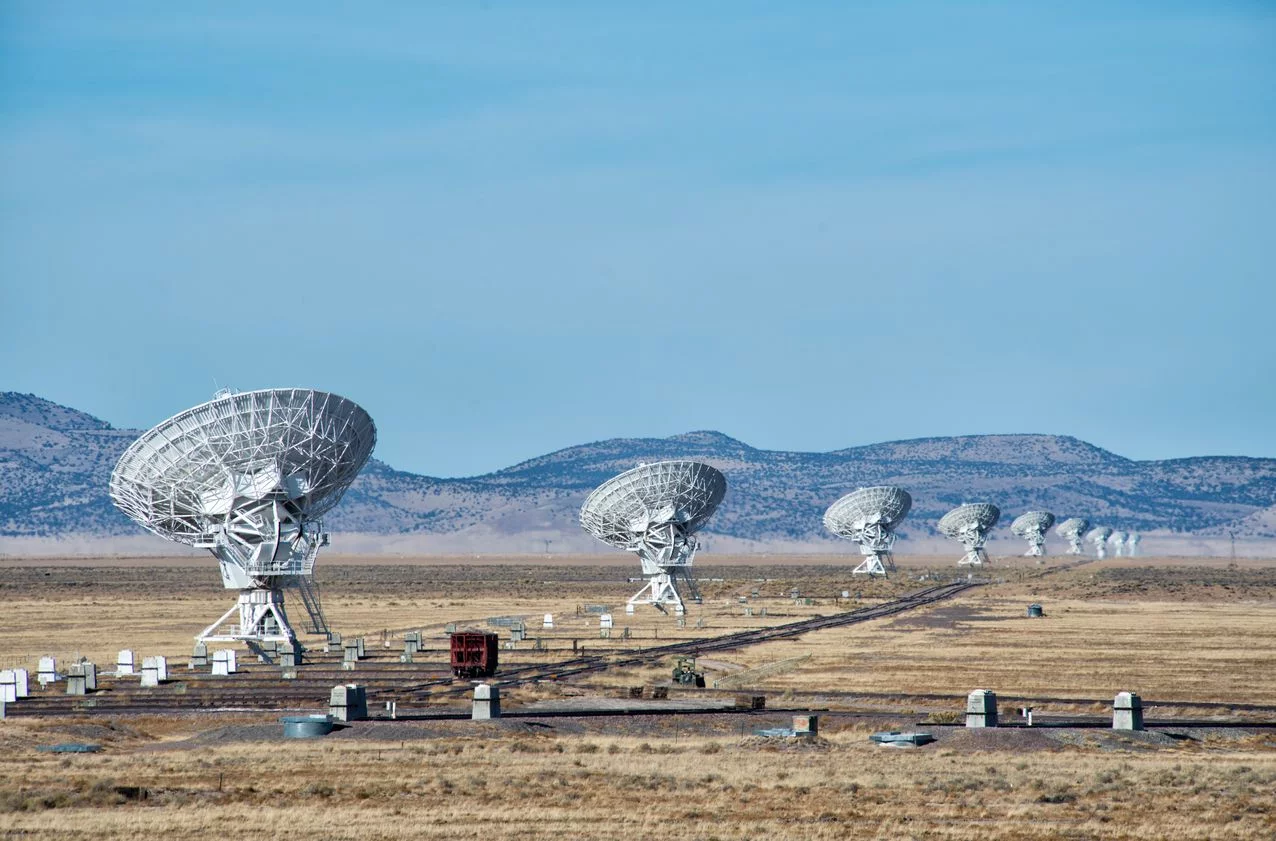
point(308, 588)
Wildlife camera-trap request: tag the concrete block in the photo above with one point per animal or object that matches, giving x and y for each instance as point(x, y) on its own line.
point(1127, 711)
point(487, 702)
point(806, 726)
point(13, 685)
point(981, 708)
point(154, 671)
point(88, 671)
point(350, 652)
point(348, 702)
point(48, 671)
point(363, 651)
point(548, 624)
point(75, 685)
point(199, 657)
point(225, 662)
point(126, 662)
point(21, 683)
point(288, 658)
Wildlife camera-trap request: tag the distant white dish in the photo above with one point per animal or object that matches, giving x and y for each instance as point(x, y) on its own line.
point(869, 516)
point(1032, 527)
point(970, 525)
point(654, 511)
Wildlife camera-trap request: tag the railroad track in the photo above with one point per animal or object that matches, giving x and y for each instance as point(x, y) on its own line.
point(741, 639)
point(260, 687)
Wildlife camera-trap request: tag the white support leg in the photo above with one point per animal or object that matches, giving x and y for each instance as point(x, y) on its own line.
point(875, 564)
point(261, 618)
point(658, 592)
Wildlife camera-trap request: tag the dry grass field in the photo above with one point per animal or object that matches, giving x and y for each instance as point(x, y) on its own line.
point(1172, 630)
point(496, 782)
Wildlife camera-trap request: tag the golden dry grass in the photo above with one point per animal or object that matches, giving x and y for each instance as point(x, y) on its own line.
point(549, 787)
point(1103, 632)
point(1169, 651)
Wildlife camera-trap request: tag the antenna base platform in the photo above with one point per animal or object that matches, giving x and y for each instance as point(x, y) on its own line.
point(659, 592)
point(975, 557)
point(878, 563)
point(258, 616)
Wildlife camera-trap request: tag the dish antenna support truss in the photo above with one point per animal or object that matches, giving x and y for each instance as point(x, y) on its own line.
point(869, 516)
point(1119, 540)
point(654, 511)
point(1073, 530)
point(970, 525)
point(1032, 527)
point(248, 476)
point(1099, 537)
point(1132, 544)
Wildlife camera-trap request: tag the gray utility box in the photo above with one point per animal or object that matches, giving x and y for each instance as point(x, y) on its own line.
point(487, 702)
point(348, 702)
point(981, 708)
point(1127, 711)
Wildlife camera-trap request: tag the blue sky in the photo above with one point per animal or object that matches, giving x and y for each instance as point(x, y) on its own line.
point(508, 228)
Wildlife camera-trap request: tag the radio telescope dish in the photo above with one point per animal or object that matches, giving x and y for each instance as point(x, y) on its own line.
point(869, 517)
point(1099, 537)
point(1119, 540)
point(248, 477)
point(1072, 530)
point(654, 511)
point(1032, 527)
point(1132, 544)
point(970, 524)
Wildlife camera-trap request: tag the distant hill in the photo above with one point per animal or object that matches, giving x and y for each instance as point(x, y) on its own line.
point(55, 463)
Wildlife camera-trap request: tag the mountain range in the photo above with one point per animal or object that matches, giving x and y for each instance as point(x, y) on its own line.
point(55, 464)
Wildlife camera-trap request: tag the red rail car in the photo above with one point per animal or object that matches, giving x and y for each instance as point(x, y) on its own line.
point(474, 654)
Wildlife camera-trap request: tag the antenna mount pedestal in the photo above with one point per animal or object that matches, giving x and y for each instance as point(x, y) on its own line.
point(258, 616)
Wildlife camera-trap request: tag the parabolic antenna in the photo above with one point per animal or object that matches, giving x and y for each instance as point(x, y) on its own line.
point(1032, 527)
point(247, 476)
point(869, 517)
point(970, 524)
point(1072, 530)
point(654, 511)
point(1099, 537)
point(1118, 540)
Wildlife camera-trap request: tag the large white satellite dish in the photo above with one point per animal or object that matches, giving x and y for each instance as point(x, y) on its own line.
point(1099, 537)
point(1073, 530)
point(970, 524)
point(869, 517)
point(1032, 527)
point(248, 476)
point(654, 511)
